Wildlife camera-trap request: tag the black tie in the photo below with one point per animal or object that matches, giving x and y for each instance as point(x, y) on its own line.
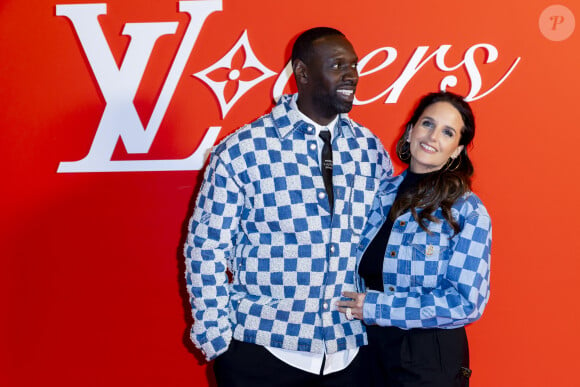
point(326, 157)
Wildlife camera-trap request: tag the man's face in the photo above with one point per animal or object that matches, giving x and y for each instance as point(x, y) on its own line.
point(331, 78)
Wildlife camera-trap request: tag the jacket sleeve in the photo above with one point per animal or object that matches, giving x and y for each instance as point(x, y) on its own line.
point(208, 247)
point(385, 163)
point(460, 297)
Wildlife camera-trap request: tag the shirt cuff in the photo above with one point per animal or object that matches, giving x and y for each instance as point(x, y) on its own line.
point(377, 306)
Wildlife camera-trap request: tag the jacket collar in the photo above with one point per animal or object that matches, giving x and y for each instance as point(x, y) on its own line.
point(390, 185)
point(287, 119)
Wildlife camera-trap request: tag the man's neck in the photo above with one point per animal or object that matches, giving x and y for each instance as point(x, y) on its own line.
point(330, 124)
point(311, 114)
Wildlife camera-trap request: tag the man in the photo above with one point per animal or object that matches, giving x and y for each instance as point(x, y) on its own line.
point(288, 240)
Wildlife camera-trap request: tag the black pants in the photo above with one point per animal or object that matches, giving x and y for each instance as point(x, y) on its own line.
point(251, 365)
point(418, 357)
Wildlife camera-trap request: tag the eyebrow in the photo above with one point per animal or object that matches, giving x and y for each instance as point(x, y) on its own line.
point(342, 57)
point(446, 126)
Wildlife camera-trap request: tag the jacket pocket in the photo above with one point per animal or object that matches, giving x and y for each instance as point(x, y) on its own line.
point(428, 264)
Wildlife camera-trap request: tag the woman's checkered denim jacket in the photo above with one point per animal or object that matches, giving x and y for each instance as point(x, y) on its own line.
point(437, 279)
point(262, 212)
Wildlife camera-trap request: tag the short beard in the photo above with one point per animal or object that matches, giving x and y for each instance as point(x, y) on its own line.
point(342, 107)
point(332, 106)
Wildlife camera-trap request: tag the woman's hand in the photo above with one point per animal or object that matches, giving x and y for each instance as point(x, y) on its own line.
point(352, 308)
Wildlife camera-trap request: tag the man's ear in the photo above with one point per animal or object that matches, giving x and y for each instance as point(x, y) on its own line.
point(300, 72)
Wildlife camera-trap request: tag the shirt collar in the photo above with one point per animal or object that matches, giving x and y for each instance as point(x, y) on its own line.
point(288, 118)
point(317, 127)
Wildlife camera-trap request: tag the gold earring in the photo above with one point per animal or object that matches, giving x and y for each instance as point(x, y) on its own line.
point(451, 161)
point(405, 152)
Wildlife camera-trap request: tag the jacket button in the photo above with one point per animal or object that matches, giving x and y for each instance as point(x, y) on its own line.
point(392, 288)
point(402, 223)
point(393, 253)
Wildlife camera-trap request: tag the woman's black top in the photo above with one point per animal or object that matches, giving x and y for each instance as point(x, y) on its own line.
point(371, 264)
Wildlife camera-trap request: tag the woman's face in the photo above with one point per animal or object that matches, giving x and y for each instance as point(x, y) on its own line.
point(435, 137)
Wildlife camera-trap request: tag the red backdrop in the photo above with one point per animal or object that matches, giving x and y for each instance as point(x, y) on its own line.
point(91, 282)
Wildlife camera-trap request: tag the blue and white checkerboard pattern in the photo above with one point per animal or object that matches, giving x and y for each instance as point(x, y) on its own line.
point(262, 212)
point(430, 280)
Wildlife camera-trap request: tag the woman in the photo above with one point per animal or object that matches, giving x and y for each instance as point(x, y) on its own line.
point(424, 254)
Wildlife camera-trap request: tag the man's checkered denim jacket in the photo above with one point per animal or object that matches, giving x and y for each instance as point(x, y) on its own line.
point(437, 279)
point(262, 213)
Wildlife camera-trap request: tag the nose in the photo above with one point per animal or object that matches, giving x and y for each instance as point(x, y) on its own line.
point(433, 134)
point(351, 74)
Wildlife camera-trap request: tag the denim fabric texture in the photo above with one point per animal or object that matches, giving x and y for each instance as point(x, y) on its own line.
point(436, 279)
point(263, 214)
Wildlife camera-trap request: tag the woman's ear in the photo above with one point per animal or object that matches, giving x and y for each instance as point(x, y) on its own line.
point(456, 152)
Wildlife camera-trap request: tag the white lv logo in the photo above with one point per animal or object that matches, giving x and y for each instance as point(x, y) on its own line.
point(119, 86)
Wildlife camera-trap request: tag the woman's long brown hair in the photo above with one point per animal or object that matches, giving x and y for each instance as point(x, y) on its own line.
point(441, 188)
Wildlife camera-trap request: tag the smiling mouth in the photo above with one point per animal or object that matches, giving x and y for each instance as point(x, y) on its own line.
point(347, 93)
point(428, 148)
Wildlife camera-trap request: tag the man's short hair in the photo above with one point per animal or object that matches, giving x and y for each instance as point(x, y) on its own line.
point(302, 48)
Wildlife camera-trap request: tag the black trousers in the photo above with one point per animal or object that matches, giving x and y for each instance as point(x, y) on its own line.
point(418, 357)
point(251, 365)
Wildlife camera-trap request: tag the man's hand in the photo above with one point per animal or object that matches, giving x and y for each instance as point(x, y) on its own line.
point(352, 308)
